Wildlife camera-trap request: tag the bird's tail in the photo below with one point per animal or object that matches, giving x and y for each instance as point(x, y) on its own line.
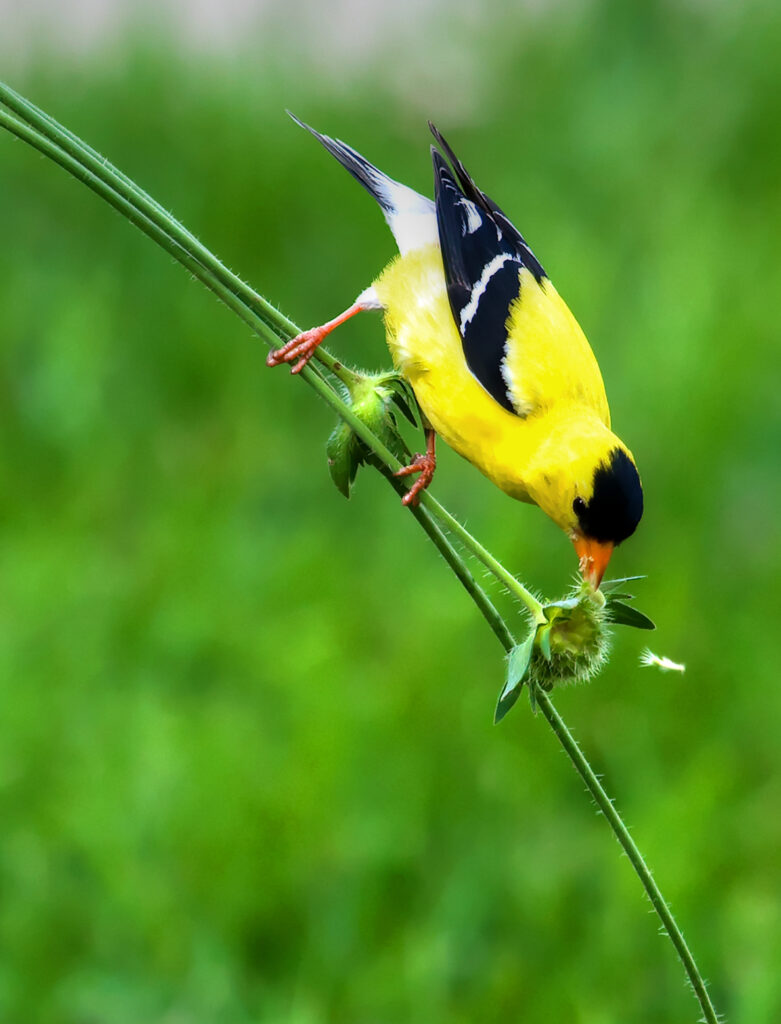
point(410, 216)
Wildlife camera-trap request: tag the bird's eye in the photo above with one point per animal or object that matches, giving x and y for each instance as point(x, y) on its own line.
point(578, 506)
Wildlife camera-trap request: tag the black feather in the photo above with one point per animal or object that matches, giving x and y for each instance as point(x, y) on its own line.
point(497, 215)
point(616, 505)
point(484, 337)
point(482, 255)
point(465, 254)
point(373, 180)
point(468, 186)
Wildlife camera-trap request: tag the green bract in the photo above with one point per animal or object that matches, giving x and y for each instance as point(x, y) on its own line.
point(372, 400)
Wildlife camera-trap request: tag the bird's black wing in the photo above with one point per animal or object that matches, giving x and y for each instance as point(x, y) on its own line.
point(482, 254)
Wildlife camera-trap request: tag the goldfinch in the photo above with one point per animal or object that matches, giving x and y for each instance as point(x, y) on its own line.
point(500, 367)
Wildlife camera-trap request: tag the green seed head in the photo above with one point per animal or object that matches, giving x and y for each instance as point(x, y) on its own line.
point(572, 644)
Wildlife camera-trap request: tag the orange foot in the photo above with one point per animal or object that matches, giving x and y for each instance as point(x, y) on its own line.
point(423, 464)
point(298, 350)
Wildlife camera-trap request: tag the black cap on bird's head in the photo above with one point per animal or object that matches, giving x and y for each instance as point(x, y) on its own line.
point(610, 515)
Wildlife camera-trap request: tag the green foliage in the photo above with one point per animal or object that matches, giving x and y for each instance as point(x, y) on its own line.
point(246, 768)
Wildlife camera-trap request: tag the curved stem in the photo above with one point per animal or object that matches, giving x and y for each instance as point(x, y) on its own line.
point(128, 210)
point(629, 846)
point(128, 190)
point(64, 148)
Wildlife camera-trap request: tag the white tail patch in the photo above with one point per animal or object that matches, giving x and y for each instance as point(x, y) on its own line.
point(412, 218)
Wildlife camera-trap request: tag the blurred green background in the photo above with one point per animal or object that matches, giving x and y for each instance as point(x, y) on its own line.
point(247, 766)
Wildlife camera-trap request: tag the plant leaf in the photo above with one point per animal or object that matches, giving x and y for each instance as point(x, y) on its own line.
point(623, 615)
point(404, 397)
point(344, 457)
point(517, 666)
point(392, 439)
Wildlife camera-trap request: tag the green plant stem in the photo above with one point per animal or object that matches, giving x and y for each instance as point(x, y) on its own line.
point(429, 502)
point(461, 570)
point(129, 210)
point(156, 214)
point(622, 834)
point(44, 134)
point(513, 584)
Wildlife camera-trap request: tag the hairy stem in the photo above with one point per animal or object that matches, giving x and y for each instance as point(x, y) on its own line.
point(513, 584)
point(43, 133)
point(460, 568)
point(128, 190)
point(629, 847)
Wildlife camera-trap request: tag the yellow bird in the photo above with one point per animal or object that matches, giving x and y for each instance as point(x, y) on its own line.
point(499, 365)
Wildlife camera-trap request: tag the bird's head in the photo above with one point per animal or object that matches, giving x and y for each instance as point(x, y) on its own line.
point(587, 482)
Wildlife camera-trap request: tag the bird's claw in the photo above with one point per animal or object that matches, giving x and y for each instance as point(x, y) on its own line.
point(298, 350)
point(423, 464)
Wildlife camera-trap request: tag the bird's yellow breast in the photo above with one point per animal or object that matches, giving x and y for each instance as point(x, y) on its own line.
point(551, 372)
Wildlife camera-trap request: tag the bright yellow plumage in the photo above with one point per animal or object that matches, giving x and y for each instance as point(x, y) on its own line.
point(546, 456)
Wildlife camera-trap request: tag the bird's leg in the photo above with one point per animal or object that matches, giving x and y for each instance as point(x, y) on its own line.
point(299, 350)
point(423, 464)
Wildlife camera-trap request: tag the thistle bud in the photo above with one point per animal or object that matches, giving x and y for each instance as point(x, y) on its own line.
point(570, 641)
point(572, 644)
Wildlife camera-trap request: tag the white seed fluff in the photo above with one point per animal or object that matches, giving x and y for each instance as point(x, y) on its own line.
point(648, 658)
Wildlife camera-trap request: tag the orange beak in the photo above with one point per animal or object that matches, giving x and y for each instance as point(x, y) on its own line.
point(594, 556)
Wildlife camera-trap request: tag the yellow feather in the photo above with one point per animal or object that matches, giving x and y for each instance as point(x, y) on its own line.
point(546, 456)
point(548, 358)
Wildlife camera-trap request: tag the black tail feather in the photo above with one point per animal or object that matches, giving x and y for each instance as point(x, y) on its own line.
point(473, 193)
point(470, 190)
point(373, 180)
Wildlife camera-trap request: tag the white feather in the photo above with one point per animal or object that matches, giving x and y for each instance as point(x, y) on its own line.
point(412, 219)
point(473, 218)
point(368, 299)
